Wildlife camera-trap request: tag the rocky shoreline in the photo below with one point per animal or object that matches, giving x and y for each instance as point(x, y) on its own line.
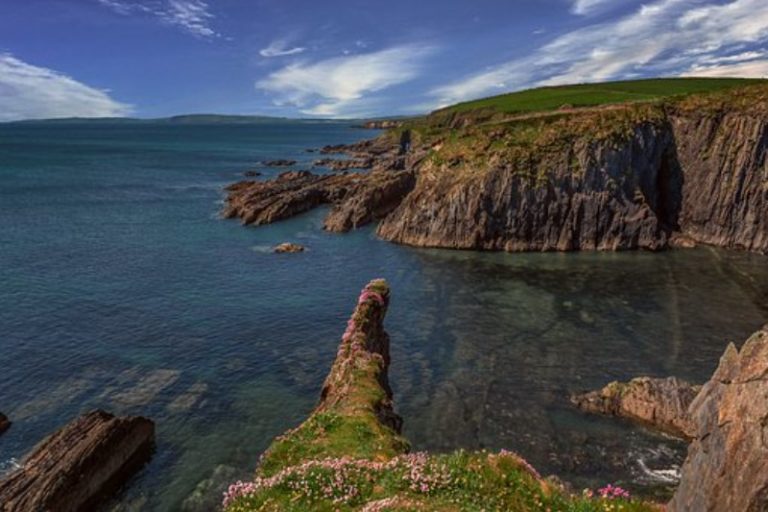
point(646, 176)
point(79, 466)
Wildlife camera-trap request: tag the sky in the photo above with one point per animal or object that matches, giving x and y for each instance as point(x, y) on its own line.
point(350, 58)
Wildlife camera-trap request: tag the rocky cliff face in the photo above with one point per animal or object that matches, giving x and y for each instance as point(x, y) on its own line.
point(613, 178)
point(727, 464)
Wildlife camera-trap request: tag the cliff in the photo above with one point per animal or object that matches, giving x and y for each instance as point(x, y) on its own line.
point(348, 455)
point(727, 464)
point(629, 176)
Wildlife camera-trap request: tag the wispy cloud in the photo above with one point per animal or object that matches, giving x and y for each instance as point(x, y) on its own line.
point(279, 48)
point(32, 92)
point(192, 16)
point(342, 86)
point(665, 37)
point(586, 6)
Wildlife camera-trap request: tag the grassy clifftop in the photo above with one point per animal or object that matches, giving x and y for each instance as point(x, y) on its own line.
point(349, 456)
point(545, 99)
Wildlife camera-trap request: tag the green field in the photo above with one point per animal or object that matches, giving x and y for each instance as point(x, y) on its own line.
point(590, 95)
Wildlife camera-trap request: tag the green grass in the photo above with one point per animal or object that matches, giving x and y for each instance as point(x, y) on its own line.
point(590, 95)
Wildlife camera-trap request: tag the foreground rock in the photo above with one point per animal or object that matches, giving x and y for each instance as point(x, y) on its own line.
point(727, 464)
point(80, 465)
point(349, 454)
point(288, 247)
point(5, 423)
point(659, 403)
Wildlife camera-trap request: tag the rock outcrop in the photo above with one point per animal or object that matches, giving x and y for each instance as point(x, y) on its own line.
point(636, 176)
point(659, 403)
point(80, 465)
point(5, 423)
point(356, 395)
point(727, 464)
point(288, 247)
point(282, 162)
point(357, 199)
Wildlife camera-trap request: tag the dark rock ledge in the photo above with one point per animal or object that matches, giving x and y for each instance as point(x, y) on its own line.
point(80, 465)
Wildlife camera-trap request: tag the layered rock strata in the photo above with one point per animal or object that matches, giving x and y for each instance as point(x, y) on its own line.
point(659, 403)
point(80, 465)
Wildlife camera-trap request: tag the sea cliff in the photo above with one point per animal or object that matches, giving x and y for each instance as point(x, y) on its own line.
point(649, 175)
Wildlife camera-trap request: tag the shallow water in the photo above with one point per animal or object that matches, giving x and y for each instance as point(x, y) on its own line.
point(120, 288)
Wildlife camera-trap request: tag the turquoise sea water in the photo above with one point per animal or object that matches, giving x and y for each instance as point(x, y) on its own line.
point(121, 288)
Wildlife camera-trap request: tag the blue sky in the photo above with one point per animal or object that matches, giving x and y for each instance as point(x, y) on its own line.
point(334, 58)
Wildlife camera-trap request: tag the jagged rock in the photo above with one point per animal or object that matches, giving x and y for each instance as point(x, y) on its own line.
point(659, 403)
point(282, 162)
point(81, 464)
point(5, 423)
point(288, 247)
point(357, 198)
point(727, 465)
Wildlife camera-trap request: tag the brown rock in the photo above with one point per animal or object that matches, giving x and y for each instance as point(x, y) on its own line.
point(659, 403)
point(80, 465)
point(5, 423)
point(727, 465)
point(288, 247)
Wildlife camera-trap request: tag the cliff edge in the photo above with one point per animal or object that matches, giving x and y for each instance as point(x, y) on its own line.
point(349, 456)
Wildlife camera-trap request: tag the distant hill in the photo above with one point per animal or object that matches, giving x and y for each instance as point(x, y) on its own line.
point(180, 119)
point(589, 95)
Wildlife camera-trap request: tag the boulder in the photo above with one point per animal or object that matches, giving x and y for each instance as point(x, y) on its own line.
point(658, 403)
point(727, 465)
point(288, 247)
point(80, 465)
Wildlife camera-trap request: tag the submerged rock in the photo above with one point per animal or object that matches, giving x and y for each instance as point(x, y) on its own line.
point(659, 403)
point(288, 247)
point(251, 174)
point(5, 423)
point(80, 465)
point(207, 493)
point(727, 464)
point(282, 162)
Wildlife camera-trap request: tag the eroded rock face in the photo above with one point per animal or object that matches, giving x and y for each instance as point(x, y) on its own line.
point(727, 464)
point(5, 423)
point(659, 403)
point(80, 465)
point(357, 198)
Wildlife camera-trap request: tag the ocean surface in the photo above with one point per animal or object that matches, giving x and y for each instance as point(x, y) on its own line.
point(121, 288)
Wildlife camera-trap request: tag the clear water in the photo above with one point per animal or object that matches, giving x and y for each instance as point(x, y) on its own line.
point(120, 288)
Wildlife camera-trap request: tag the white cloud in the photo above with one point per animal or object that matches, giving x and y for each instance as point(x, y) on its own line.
point(192, 16)
point(665, 37)
point(341, 86)
point(752, 69)
point(32, 92)
point(280, 48)
point(585, 6)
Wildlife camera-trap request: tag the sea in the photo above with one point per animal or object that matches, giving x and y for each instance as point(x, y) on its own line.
point(121, 288)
